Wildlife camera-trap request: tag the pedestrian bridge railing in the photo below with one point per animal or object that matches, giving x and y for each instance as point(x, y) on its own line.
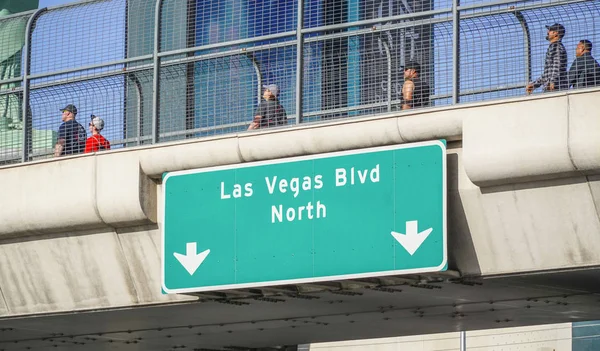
point(165, 70)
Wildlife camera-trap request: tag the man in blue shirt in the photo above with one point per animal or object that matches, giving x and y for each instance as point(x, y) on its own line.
point(71, 134)
point(584, 71)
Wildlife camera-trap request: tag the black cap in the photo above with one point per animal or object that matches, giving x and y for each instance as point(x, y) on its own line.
point(71, 108)
point(557, 27)
point(413, 65)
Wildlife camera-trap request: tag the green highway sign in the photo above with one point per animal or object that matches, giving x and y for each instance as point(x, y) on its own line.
point(343, 215)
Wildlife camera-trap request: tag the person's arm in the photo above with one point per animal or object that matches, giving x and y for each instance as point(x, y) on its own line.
point(59, 147)
point(408, 89)
point(60, 143)
point(258, 114)
point(596, 79)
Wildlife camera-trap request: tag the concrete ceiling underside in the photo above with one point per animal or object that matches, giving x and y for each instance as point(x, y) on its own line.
point(359, 309)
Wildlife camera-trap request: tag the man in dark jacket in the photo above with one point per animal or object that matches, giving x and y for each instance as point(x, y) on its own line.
point(71, 134)
point(269, 112)
point(584, 71)
point(554, 76)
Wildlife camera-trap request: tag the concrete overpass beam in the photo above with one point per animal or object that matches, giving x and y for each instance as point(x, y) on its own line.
point(548, 137)
point(78, 193)
point(49, 197)
point(584, 132)
point(528, 192)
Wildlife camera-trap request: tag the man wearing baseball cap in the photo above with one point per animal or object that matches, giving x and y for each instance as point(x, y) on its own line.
point(96, 142)
point(269, 112)
point(71, 134)
point(554, 76)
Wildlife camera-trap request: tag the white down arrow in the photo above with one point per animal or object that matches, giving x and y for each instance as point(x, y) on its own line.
point(412, 240)
point(191, 260)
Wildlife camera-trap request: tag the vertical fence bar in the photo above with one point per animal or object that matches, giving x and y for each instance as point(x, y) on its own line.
point(353, 62)
point(156, 73)
point(25, 82)
point(527, 43)
point(299, 61)
point(463, 341)
point(190, 89)
point(140, 106)
point(256, 66)
point(455, 52)
point(388, 56)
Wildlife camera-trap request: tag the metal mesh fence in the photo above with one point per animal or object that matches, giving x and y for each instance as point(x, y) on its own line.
point(140, 21)
point(102, 97)
point(503, 48)
point(348, 74)
point(330, 12)
point(78, 36)
point(581, 21)
point(219, 93)
point(207, 74)
point(12, 39)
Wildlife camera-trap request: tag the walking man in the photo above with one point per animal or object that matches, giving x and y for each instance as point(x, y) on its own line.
point(415, 92)
point(554, 76)
point(269, 112)
point(71, 134)
point(584, 71)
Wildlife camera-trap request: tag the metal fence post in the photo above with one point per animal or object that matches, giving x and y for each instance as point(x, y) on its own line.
point(26, 71)
point(455, 52)
point(527, 41)
point(299, 61)
point(140, 104)
point(256, 66)
point(388, 56)
point(156, 73)
point(463, 341)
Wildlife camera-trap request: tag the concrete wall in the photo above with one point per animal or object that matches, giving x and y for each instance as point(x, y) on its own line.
point(556, 337)
point(529, 186)
point(81, 232)
point(87, 270)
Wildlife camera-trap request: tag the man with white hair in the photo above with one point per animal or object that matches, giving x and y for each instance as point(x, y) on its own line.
point(96, 142)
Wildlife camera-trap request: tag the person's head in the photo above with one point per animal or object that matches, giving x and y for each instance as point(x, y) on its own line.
point(69, 112)
point(412, 69)
point(555, 32)
point(271, 91)
point(96, 124)
point(584, 46)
